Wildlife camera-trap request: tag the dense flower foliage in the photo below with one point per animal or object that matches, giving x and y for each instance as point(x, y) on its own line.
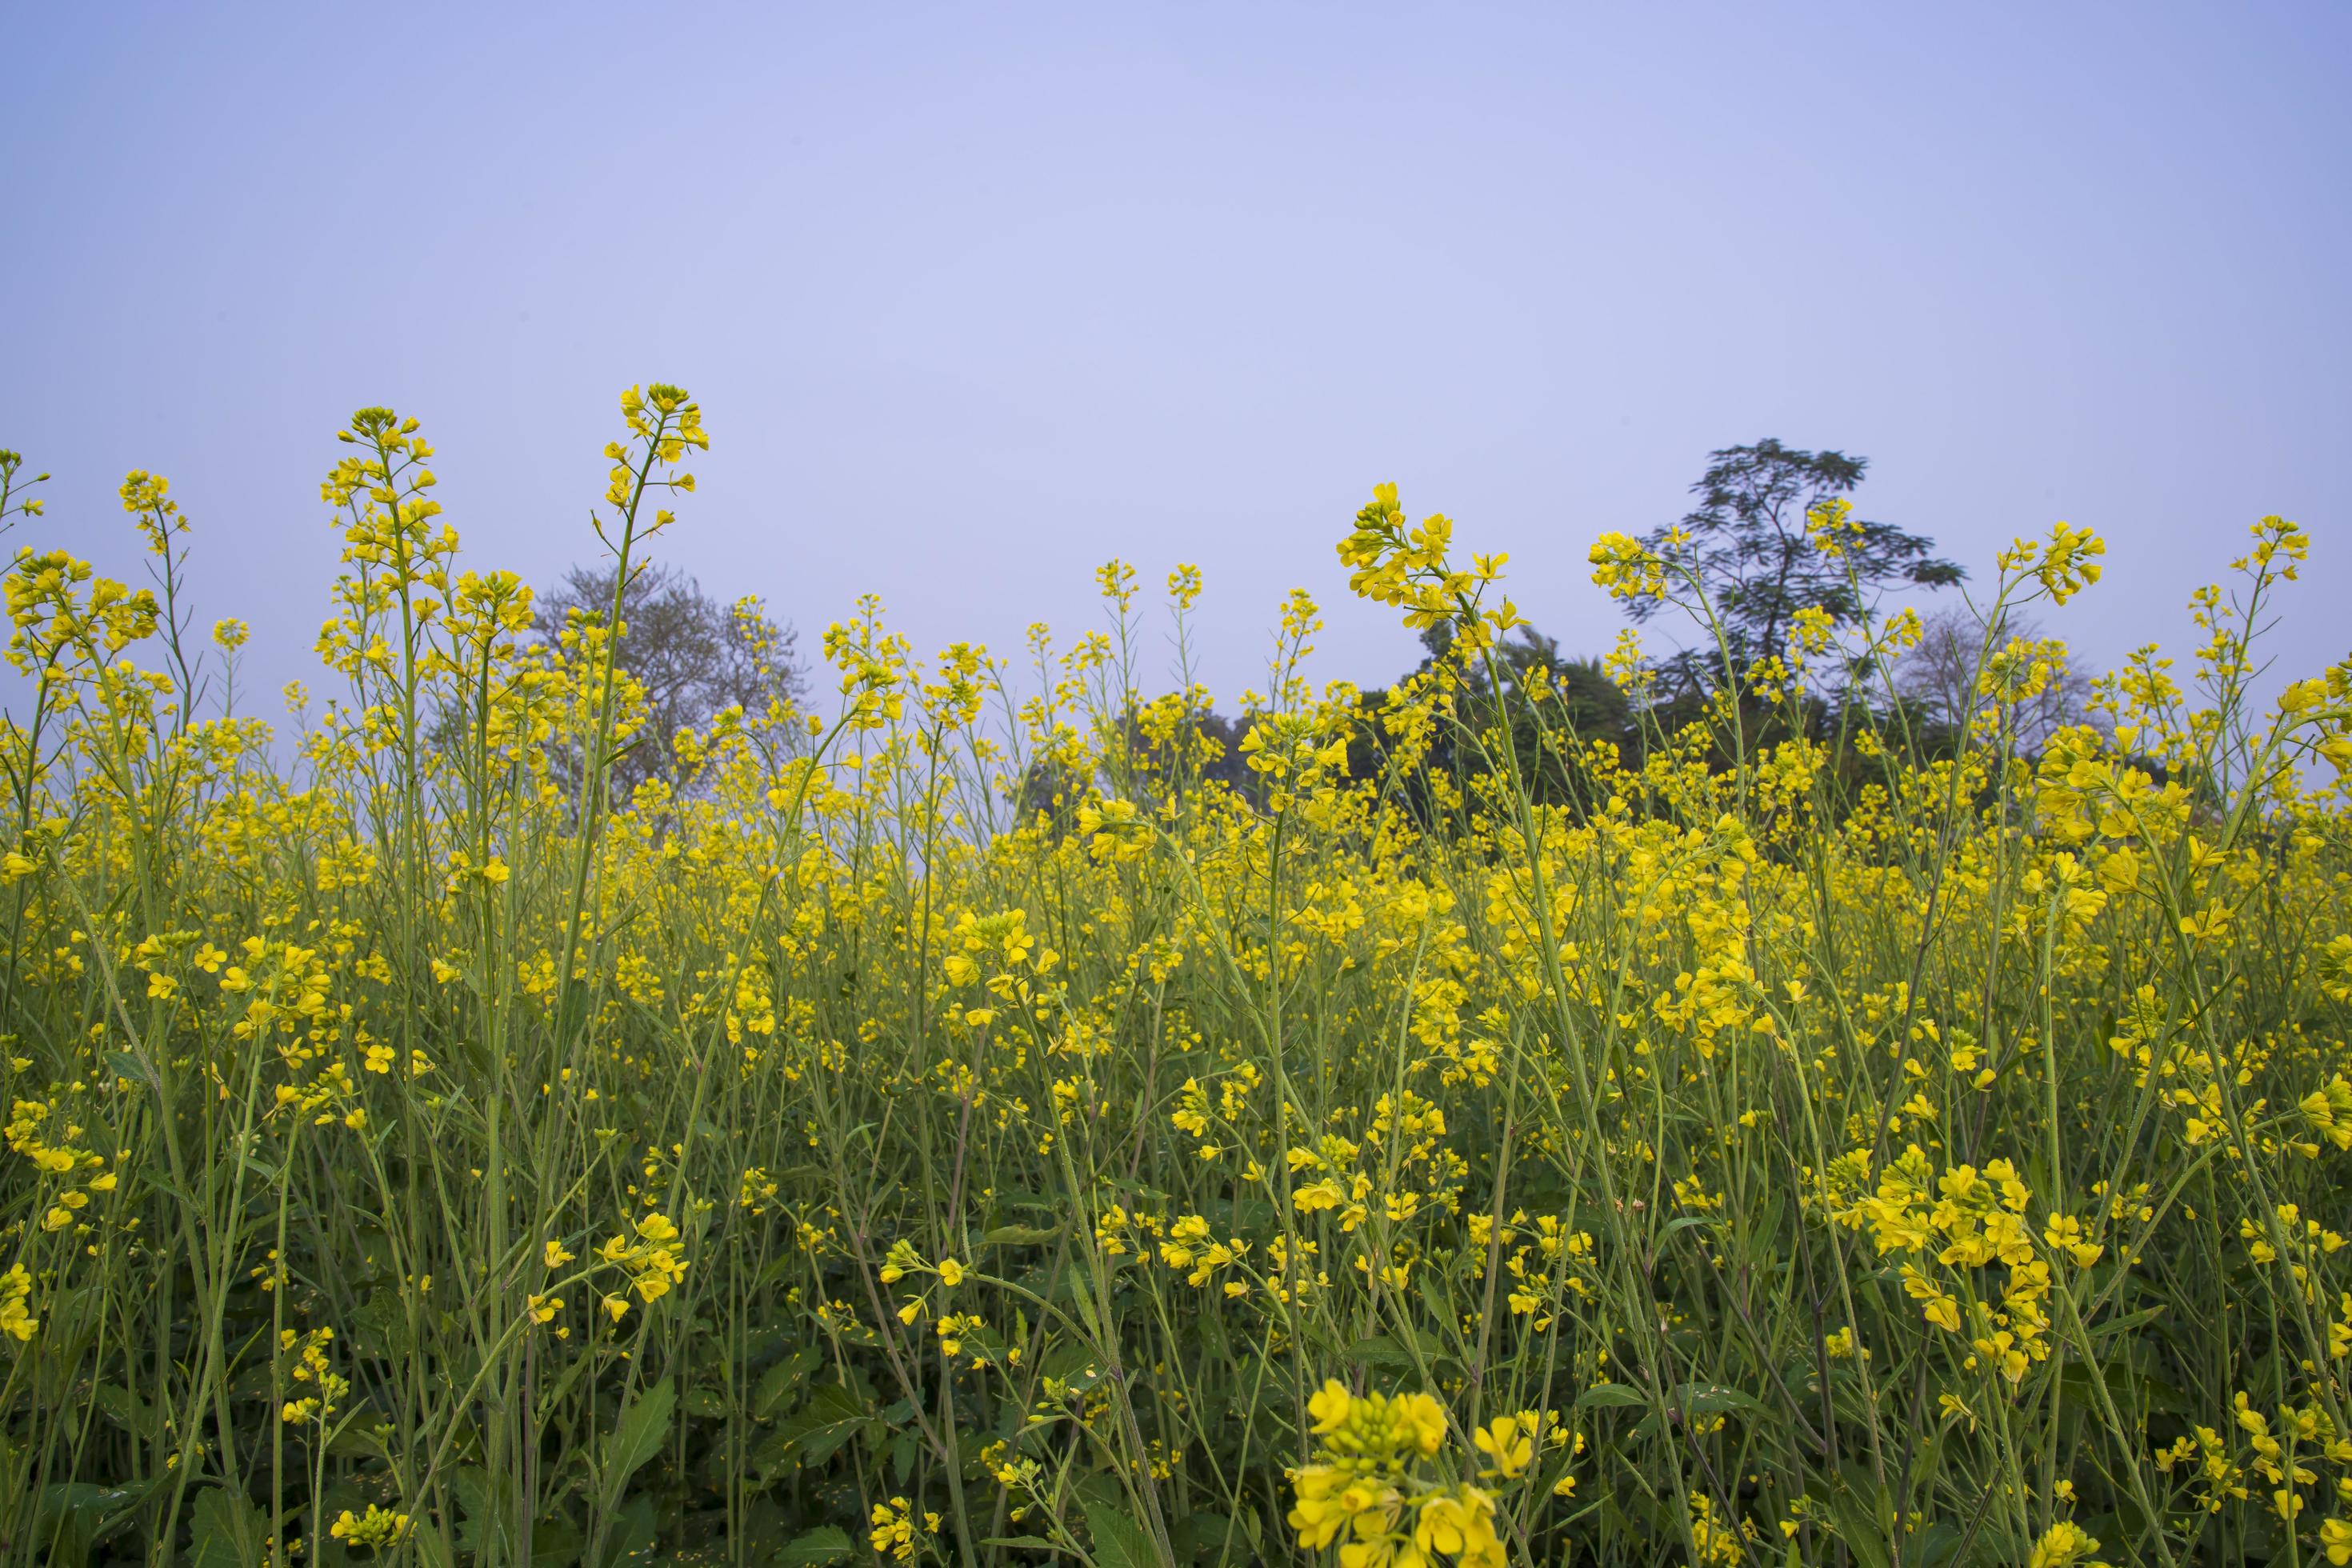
point(970, 1122)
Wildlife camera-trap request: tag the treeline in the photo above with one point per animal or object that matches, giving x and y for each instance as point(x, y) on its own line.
point(1772, 561)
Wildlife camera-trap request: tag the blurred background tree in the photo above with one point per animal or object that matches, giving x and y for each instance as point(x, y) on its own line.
point(1747, 543)
point(1937, 680)
point(1581, 705)
point(696, 656)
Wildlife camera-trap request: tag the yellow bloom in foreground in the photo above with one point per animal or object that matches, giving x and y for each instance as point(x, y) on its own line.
point(2329, 1112)
point(2064, 1545)
point(2064, 1233)
point(15, 1288)
point(1509, 1442)
point(1423, 1418)
point(950, 1271)
point(1329, 1501)
point(894, 1529)
point(1362, 1493)
point(380, 1526)
point(1329, 1405)
point(1461, 1524)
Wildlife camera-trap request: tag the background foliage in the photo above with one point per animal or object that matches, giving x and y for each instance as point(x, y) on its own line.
point(965, 1126)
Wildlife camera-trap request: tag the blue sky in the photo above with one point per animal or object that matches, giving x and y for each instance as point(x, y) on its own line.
point(976, 298)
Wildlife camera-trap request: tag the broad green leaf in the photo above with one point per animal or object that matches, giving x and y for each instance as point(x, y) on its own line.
point(2140, 1319)
point(816, 1431)
point(227, 1531)
point(1714, 1399)
point(1201, 1532)
point(634, 1529)
point(125, 1409)
point(1603, 1395)
point(1381, 1353)
point(637, 1436)
point(827, 1544)
point(1119, 1542)
point(555, 1544)
point(1686, 1222)
point(777, 1383)
point(1860, 1533)
point(1031, 1201)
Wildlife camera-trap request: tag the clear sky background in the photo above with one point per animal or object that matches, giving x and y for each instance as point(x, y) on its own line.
point(975, 298)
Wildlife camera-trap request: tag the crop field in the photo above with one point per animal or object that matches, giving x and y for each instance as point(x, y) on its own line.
point(982, 1114)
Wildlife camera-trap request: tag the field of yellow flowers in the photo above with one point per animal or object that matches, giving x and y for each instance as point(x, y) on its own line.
point(956, 1125)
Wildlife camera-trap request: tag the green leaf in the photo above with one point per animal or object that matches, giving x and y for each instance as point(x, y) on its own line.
point(1083, 1299)
point(1076, 1364)
point(1714, 1399)
point(1602, 1395)
point(484, 1499)
point(66, 1520)
point(827, 1544)
point(125, 1409)
point(227, 1531)
point(365, 1439)
point(2128, 1386)
point(1861, 1533)
point(431, 1546)
point(1020, 1236)
point(817, 1430)
point(637, 1436)
point(1201, 1534)
point(127, 1066)
point(1026, 1542)
point(2128, 1320)
point(1686, 1221)
point(778, 1382)
point(555, 1544)
point(1381, 1353)
point(1118, 1542)
point(634, 1529)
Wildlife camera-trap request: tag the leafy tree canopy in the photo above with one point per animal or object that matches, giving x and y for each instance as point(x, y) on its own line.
point(694, 655)
point(1749, 544)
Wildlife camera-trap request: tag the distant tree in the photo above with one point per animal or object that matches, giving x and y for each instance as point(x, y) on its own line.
point(1938, 678)
point(1580, 702)
point(1555, 703)
point(1746, 540)
point(1207, 748)
point(1224, 762)
point(694, 656)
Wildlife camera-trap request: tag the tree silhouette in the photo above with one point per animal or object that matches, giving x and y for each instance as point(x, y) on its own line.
point(694, 655)
point(1748, 544)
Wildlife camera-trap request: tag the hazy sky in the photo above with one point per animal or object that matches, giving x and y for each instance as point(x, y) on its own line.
point(976, 298)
